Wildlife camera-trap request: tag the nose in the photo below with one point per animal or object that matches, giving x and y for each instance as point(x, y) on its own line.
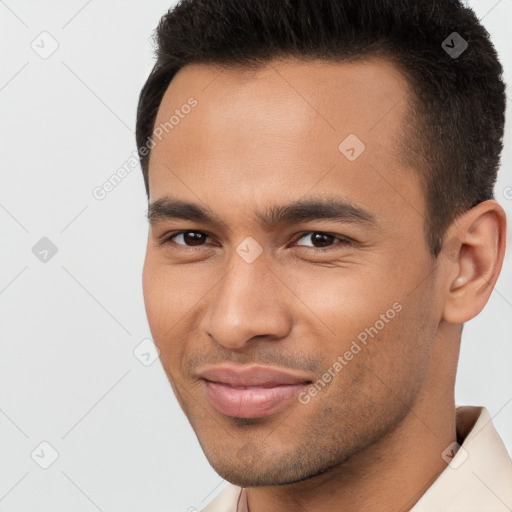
point(249, 301)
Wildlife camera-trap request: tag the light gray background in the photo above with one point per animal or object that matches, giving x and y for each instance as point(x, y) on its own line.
point(68, 375)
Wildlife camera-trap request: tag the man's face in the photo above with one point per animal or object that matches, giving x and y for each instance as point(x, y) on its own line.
point(301, 294)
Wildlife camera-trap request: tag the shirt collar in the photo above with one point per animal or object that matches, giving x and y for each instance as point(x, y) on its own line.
point(478, 475)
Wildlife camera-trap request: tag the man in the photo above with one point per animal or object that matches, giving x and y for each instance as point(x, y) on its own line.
point(320, 182)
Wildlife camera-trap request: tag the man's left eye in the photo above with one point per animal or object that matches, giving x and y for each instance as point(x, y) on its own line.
point(320, 240)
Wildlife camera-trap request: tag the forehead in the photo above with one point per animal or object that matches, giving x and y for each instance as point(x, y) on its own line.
point(287, 127)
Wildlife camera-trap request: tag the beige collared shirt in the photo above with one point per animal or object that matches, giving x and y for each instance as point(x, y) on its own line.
point(478, 477)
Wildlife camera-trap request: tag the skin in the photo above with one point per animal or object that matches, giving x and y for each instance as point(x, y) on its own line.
point(372, 439)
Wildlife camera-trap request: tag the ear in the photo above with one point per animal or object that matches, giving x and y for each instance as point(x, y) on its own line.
point(473, 251)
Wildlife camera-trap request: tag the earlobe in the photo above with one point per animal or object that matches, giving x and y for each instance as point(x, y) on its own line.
point(474, 256)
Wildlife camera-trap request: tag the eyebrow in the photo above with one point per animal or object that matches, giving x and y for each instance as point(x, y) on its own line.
point(330, 208)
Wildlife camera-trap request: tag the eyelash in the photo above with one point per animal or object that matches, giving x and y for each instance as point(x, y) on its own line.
point(344, 241)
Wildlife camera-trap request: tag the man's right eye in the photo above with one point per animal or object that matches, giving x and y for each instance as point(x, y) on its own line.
point(187, 238)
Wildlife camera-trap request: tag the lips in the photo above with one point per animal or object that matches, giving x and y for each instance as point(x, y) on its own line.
point(251, 392)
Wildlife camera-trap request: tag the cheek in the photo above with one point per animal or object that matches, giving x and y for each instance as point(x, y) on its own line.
point(153, 292)
point(382, 373)
point(172, 296)
point(399, 343)
point(370, 315)
point(347, 301)
point(161, 302)
point(164, 291)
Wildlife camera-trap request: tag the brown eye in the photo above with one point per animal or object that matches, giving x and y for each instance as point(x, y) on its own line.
point(189, 238)
point(321, 240)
